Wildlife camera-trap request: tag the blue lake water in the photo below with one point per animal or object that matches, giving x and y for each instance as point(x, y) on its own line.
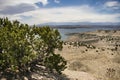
point(63, 32)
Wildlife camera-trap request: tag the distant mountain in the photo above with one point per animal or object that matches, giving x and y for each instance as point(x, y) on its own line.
point(81, 23)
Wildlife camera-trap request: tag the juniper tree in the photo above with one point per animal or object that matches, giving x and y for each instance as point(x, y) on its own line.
point(22, 46)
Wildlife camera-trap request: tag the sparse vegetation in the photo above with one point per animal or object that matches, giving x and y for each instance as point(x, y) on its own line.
point(98, 56)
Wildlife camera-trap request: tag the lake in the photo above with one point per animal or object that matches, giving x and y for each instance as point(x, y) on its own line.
point(64, 31)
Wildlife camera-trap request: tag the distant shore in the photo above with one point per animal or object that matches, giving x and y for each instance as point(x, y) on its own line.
point(83, 26)
point(65, 30)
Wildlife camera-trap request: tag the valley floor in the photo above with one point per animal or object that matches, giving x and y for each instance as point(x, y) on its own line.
point(92, 55)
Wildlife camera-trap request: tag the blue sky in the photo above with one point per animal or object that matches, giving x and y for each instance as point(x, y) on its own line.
point(61, 11)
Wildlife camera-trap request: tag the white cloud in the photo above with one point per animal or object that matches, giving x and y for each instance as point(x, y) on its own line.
point(66, 14)
point(6, 3)
point(57, 1)
point(19, 6)
point(112, 4)
point(18, 9)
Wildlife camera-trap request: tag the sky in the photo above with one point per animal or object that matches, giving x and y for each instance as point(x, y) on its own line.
point(61, 11)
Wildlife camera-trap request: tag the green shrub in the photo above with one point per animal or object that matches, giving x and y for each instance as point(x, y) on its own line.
point(22, 46)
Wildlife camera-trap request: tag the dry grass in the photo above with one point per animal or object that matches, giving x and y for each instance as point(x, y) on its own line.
point(100, 62)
